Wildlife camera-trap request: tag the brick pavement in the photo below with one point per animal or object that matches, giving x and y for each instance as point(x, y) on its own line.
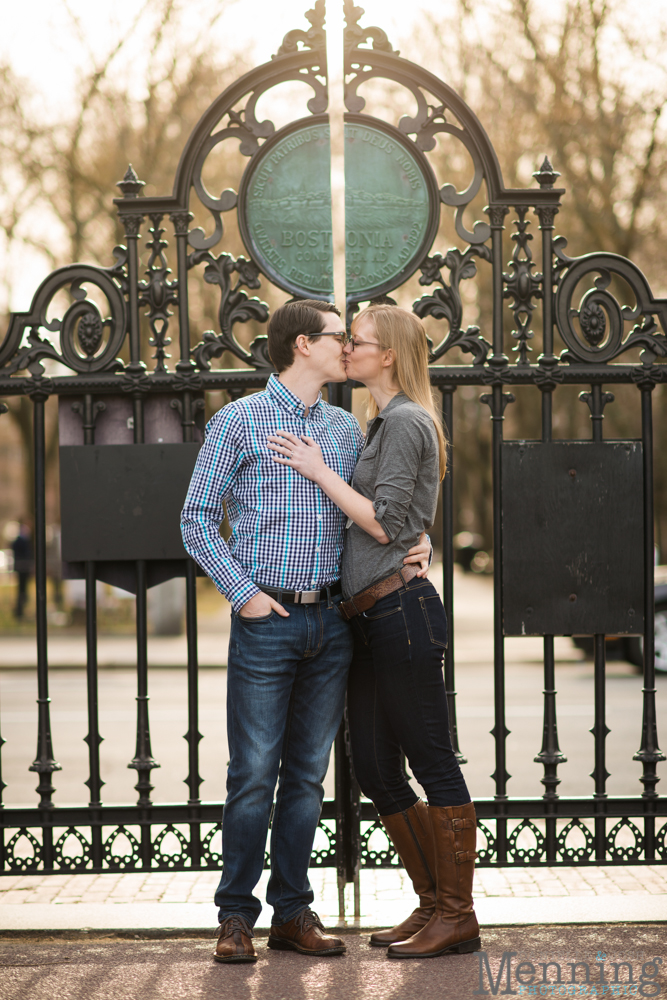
point(382, 886)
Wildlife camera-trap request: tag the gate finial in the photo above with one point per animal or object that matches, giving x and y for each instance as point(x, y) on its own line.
point(546, 176)
point(130, 185)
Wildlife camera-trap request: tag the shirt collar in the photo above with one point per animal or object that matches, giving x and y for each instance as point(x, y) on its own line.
point(285, 397)
point(396, 400)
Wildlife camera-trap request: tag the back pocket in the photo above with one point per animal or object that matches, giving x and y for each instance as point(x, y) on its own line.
point(435, 619)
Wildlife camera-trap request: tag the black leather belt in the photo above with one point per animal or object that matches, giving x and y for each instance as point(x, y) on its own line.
point(302, 596)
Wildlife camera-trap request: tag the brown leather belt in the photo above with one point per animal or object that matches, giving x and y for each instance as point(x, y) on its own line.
point(365, 599)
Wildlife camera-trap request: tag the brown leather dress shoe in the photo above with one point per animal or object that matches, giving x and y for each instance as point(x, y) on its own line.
point(306, 934)
point(235, 941)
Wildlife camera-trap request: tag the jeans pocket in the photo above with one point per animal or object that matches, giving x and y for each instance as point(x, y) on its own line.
point(374, 613)
point(256, 620)
point(436, 620)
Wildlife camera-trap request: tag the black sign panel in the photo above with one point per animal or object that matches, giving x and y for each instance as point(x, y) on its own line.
point(124, 501)
point(572, 517)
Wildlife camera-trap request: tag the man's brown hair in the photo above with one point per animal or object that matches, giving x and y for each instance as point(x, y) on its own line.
point(290, 321)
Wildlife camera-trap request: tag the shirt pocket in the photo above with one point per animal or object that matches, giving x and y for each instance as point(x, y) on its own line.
point(371, 451)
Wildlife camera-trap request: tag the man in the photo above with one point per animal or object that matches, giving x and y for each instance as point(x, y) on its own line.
point(289, 650)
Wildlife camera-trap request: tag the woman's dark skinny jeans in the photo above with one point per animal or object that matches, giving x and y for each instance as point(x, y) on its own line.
point(397, 702)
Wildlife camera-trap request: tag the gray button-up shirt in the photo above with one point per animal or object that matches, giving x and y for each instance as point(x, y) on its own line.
point(398, 470)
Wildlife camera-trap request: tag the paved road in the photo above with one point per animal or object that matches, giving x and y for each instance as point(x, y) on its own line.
point(474, 651)
point(183, 969)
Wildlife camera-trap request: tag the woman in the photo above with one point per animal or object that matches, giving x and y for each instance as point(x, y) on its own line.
point(396, 694)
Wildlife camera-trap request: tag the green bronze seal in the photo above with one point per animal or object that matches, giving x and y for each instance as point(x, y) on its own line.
point(391, 208)
point(285, 209)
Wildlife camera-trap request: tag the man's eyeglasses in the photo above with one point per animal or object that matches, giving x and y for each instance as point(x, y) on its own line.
point(342, 336)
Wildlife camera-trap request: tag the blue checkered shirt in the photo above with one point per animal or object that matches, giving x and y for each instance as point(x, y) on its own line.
point(286, 533)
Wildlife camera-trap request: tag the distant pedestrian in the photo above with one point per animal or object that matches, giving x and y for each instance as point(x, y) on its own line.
point(22, 549)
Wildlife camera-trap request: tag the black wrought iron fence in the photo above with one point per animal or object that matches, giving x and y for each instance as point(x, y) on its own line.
point(555, 503)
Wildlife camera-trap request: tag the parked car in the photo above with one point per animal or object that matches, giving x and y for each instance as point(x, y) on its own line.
point(631, 647)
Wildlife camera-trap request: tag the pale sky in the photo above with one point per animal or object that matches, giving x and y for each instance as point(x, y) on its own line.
point(38, 37)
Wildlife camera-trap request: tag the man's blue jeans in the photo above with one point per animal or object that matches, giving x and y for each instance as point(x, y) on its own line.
point(286, 680)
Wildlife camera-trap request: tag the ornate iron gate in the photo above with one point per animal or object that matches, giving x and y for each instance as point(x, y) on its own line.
point(614, 595)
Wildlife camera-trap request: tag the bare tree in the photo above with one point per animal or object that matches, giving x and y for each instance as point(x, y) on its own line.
point(58, 178)
point(585, 84)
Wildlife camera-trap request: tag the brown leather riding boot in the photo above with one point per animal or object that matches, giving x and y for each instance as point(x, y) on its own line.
point(410, 833)
point(453, 927)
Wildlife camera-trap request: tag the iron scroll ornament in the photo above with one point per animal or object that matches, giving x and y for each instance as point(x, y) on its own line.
point(601, 317)
point(82, 321)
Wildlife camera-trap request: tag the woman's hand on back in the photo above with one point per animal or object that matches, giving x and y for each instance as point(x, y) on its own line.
point(304, 456)
point(420, 553)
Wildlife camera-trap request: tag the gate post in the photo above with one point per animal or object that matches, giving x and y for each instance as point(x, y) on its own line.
point(44, 763)
point(348, 822)
point(649, 752)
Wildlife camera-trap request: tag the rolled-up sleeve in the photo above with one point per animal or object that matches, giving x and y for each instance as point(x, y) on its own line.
point(401, 452)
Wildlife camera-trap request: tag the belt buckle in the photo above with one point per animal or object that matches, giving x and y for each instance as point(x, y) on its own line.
point(307, 597)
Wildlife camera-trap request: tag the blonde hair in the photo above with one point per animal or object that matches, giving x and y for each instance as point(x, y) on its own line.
point(404, 333)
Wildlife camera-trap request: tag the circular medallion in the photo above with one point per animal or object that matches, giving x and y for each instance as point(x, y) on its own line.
point(391, 208)
point(285, 209)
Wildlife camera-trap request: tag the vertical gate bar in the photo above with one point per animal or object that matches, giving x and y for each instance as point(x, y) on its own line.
point(132, 223)
point(143, 761)
point(600, 731)
point(181, 223)
point(348, 817)
point(44, 763)
point(93, 738)
point(597, 416)
point(448, 568)
point(497, 403)
point(547, 411)
point(546, 215)
point(496, 215)
point(649, 752)
point(500, 732)
point(193, 736)
point(549, 756)
point(340, 804)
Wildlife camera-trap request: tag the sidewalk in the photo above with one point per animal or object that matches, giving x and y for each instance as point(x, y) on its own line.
point(111, 969)
point(160, 902)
